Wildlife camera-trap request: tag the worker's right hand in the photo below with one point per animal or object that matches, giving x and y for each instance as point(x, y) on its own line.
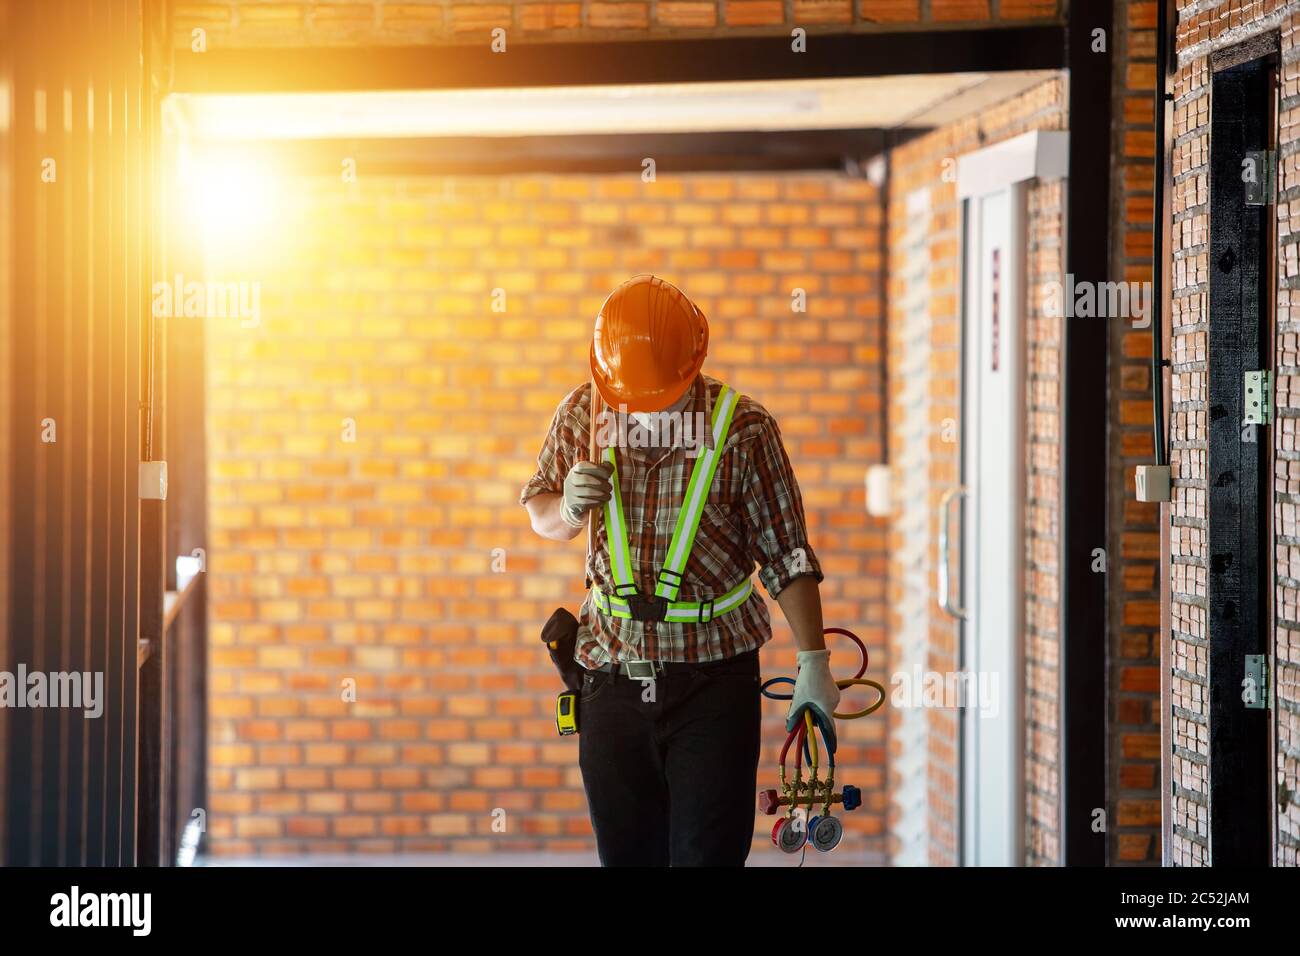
point(587, 486)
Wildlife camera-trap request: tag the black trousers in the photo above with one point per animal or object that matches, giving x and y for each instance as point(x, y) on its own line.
point(670, 766)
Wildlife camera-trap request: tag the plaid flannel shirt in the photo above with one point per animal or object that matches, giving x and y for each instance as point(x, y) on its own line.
point(753, 515)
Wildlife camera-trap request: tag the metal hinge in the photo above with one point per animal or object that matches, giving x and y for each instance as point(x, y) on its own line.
point(1259, 174)
point(1256, 682)
point(1259, 398)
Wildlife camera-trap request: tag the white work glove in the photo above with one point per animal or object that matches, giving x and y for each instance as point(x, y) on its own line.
point(586, 486)
point(815, 690)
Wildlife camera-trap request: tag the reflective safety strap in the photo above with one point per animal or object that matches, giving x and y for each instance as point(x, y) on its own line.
point(680, 612)
point(609, 604)
point(701, 612)
point(616, 531)
point(697, 492)
point(679, 548)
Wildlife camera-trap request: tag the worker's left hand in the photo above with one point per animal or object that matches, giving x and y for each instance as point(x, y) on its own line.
point(815, 691)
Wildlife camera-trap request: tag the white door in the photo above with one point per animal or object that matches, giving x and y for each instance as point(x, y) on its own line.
point(993, 469)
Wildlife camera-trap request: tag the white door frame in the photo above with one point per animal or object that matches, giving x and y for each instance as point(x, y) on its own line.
point(991, 186)
point(993, 474)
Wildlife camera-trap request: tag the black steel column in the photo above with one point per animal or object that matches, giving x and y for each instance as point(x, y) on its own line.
point(1084, 455)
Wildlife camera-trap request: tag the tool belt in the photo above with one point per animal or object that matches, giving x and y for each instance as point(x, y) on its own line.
point(636, 606)
point(649, 670)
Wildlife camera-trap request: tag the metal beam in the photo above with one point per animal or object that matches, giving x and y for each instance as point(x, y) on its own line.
point(493, 155)
point(1084, 456)
point(713, 59)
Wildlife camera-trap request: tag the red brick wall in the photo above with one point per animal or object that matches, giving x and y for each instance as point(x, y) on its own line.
point(1133, 546)
point(260, 23)
point(1201, 30)
point(925, 365)
point(373, 560)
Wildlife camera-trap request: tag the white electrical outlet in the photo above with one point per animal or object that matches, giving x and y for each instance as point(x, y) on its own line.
point(153, 480)
point(1153, 482)
point(879, 494)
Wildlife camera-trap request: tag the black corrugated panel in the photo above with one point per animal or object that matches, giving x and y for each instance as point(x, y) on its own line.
point(23, 748)
point(78, 298)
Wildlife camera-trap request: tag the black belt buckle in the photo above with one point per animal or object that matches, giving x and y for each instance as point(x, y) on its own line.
point(647, 607)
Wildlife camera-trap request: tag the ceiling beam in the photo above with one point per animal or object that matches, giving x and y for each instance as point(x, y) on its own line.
point(672, 152)
point(609, 62)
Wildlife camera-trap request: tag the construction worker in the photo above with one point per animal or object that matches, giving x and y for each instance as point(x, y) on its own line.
point(671, 626)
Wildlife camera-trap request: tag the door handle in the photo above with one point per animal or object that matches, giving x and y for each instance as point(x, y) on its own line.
point(945, 582)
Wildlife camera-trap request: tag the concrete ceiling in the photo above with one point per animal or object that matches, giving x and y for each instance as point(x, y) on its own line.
point(891, 102)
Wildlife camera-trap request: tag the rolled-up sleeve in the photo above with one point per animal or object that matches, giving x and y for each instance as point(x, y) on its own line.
point(778, 534)
point(558, 453)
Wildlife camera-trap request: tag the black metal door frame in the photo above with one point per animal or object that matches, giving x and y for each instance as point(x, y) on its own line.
point(1084, 638)
point(1239, 579)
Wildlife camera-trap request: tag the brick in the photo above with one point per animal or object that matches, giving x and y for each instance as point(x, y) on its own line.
point(481, 17)
point(684, 13)
point(1135, 848)
point(281, 13)
point(954, 10)
point(1028, 10)
point(550, 16)
point(890, 11)
point(823, 11)
point(751, 13)
point(624, 14)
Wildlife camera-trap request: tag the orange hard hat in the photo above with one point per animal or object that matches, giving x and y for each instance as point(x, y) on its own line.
point(649, 345)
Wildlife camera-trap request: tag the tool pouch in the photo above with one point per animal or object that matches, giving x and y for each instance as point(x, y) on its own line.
point(560, 635)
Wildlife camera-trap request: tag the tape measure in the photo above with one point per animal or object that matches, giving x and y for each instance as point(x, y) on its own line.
point(566, 712)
